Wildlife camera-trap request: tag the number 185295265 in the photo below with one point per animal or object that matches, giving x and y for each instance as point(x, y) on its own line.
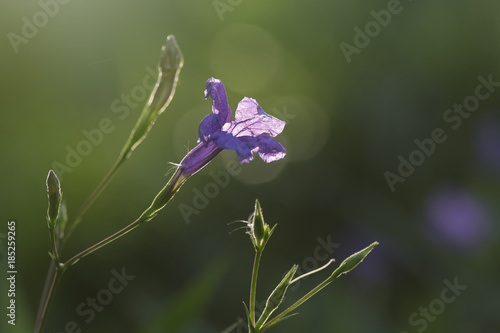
point(11, 245)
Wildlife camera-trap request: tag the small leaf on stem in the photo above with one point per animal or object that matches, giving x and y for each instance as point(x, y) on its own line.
point(276, 297)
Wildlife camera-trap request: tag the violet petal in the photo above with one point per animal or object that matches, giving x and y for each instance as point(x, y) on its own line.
point(209, 125)
point(251, 120)
point(216, 91)
point(200, 156)
point(268, 148)
point(228, 141)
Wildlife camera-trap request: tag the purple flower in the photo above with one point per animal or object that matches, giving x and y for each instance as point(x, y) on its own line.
point(456, 217)
point(250, 132)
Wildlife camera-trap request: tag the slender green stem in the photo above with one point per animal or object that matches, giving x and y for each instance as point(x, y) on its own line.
point(170, 64)
point(52, 281)
point(41, 307)
point(253, 286)
point(347, 265)
point(92, 197)
point(313, 271)
point(297, 304)
point(160, 201)
point(55, 271)
point(231, 328)
point(48, 290)
point(103, 242)
point(169, 67)
point(54, 245)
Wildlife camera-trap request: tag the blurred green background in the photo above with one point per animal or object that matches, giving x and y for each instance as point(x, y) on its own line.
point(347, 125)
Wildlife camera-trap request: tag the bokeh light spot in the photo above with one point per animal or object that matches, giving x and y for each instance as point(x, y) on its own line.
point(244, 56)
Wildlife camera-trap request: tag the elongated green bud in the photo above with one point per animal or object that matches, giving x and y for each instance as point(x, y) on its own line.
point(259, 231)
point(54, 195)
point(169, 68)
point(259, 226)
point(277, 296)
point(351, 262)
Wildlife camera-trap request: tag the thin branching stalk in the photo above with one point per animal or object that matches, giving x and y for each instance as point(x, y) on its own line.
point(170, 64)
point(55, 271)
point(347, 265)
point(169, 67)
point(42, 307)
point(296, 304)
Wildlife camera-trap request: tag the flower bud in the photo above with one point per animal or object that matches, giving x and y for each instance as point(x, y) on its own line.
point(351, 262)
point(259, 231)
point(169, 67)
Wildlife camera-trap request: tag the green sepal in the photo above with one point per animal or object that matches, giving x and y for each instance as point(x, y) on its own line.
point(54, 195)
point(62, 220)
point(164, 196)
point(251, 327)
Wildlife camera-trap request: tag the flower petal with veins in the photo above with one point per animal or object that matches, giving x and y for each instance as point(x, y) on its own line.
point(249, 133)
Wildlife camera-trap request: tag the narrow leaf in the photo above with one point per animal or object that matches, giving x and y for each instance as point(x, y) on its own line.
point(276, 296)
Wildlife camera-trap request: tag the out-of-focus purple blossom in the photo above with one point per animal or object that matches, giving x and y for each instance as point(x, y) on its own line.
point(488, 142)
point(457, 218)
point(250, 132)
